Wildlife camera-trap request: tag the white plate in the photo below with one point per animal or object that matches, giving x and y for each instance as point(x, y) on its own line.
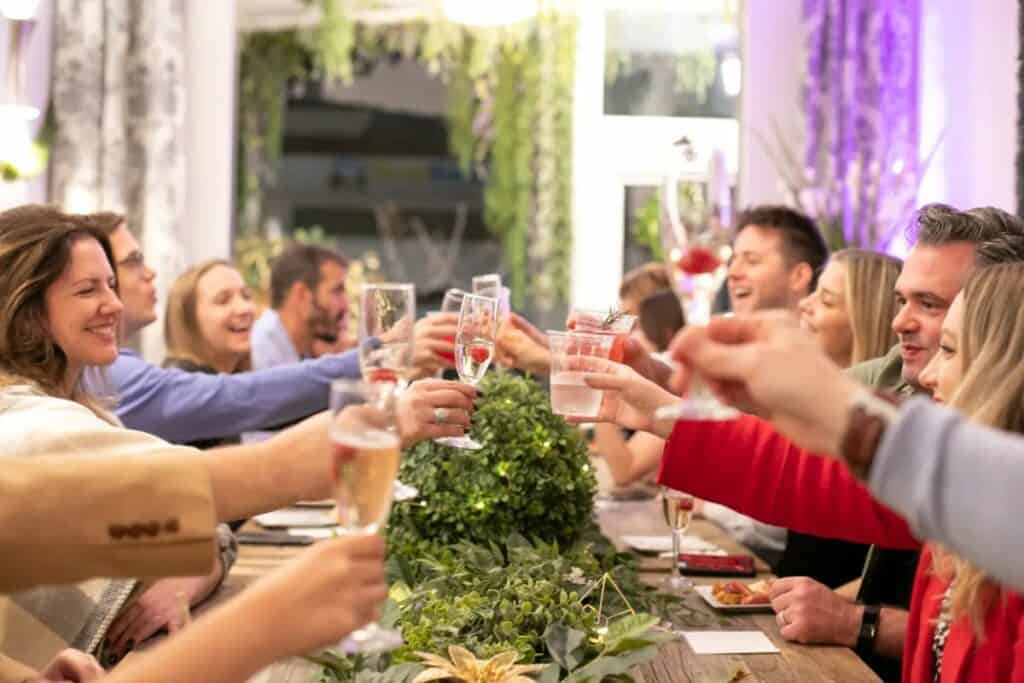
point(296, 517)
point(705, 592)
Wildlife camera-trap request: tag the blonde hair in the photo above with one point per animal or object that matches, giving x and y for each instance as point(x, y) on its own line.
point(991, 392)
point(643, 281)
point(870, 281)
point(35, 248)
point(182, 335)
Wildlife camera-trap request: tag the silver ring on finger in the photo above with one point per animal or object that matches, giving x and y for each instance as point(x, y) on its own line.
point(440, 415)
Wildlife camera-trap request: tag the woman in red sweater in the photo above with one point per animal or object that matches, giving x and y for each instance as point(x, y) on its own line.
point(963, 627)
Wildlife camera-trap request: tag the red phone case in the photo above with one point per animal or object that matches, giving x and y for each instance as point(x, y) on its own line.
point(716, 565)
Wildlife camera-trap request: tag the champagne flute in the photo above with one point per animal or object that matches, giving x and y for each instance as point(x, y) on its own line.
point(474, 349)
point(388, 312)
point(487, 285)
point(678, 508)
point(697, 263)
point(364, 436)
point(386, 332)
point(452, 303)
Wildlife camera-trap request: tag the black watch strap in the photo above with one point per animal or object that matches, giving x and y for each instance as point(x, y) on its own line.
point(868, 629)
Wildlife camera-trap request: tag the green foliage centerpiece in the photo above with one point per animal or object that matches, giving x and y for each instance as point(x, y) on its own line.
point(499, 565)
point(532, 477)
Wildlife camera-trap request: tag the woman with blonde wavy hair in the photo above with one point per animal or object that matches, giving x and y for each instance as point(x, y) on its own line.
point(209, 319)
point(979, 370)
point(850, 312)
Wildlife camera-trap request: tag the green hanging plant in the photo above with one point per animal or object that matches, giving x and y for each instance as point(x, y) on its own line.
point(509, 115)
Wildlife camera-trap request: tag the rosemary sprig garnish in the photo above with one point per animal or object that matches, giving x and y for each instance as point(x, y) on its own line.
point(614, 315)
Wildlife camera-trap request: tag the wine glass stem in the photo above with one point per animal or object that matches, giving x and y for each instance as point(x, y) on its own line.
point(676, 547)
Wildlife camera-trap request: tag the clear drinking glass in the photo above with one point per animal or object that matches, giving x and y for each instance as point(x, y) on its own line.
point(698, 258)
point(367, 451)
point(386, 332)
point(487, 285)
point(474, 349)
point(388, 312)
point(618, 325)
point(678, 508)
point(452, 303)
point(570, 396)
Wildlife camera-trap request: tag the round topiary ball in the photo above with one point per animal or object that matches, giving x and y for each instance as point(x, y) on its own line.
point(532, 476)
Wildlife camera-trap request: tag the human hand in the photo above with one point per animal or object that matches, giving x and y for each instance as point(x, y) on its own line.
point(629, 400)
point(159, 607)
point(330, 590)
point(811, 612)
point(522, 346)
point(424, 403)
point(764, 364)
point(647, 366)
point(434, 343)
point(70, 666)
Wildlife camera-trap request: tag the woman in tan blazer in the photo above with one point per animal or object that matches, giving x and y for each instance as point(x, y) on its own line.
point(59, 315)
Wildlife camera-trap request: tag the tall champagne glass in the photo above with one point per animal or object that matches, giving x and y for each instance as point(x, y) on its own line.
point(474, 349)
point(388, 312)
point(366, 445)
point(678, 508)
point(697, 262)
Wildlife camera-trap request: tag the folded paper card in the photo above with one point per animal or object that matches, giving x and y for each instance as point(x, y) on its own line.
point(729, 642)
point(663, 544)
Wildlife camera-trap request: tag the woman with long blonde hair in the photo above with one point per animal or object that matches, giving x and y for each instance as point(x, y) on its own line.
point(850, 312)
point(209, 319)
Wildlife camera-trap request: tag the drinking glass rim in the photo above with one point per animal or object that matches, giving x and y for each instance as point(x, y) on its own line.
point(589, 336)
point(389, 285)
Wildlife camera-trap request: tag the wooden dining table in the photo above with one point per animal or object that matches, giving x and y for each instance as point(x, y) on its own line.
point(675, 660)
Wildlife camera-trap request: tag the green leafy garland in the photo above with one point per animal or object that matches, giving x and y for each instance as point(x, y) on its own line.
point(509, 113)
point(464, 573)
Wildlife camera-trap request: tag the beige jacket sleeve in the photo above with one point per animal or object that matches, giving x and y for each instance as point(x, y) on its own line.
point(13, 671)
point(64, 519)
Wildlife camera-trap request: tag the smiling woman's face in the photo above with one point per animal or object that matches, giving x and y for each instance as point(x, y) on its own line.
point(224, 313)
point(945, 371)
point(83, 310)
point(824, 314)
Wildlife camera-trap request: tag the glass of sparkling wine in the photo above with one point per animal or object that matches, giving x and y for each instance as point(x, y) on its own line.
point(678, 508)
point(697, 261)
point(452, 303)
point(366, 445)
point(474, 349)
point(570, 396)
point(387, 314)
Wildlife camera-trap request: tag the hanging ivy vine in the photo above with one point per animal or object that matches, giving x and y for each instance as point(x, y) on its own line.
point(509, 117)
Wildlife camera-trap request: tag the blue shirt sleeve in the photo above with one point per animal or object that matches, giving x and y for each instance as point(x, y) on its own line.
point(183, 406)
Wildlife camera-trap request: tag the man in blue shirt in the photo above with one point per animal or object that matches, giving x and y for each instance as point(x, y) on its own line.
point(181, 406)
point(307, 303)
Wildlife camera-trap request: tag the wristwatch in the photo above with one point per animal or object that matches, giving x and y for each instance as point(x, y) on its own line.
point(868, 629)
point(869, 415)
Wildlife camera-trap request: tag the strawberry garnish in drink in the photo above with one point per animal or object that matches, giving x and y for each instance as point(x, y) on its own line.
point(479, 354)
point(382, 375)
point(698, 261)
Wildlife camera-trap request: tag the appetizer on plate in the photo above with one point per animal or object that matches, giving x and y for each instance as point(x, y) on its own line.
point(738, 593)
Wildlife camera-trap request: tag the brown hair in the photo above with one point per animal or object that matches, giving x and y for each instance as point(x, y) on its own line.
point(643, 281)
point(870, 281)
point(661, 317)
point(299, 263)
point(181, 324)
point(991, 392)
point(801, 240)
point(104, 221)
point(35, 248)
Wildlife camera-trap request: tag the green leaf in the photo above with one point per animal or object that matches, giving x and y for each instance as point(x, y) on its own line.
point(630, 627)
point(565, 645)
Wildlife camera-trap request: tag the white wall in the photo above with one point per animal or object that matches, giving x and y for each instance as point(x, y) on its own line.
point(210, 86)
point(969, 88)
point(773, 64)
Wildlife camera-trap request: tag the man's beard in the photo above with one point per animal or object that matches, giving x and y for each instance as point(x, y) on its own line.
point(321, 327)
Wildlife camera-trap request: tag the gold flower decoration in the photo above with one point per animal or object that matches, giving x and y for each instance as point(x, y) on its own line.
point(463, 666)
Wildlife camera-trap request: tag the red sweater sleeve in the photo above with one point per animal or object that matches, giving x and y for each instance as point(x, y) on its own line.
point(748, 466)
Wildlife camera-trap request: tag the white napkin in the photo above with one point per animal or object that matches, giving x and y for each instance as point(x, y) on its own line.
point(663, 544)
point(314, 531)
point(729, 642)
